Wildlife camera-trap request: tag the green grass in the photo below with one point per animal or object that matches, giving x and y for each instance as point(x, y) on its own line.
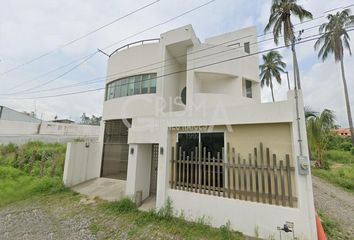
point(33, 169)
point(332, 229)
point(341, 169)
point(33, 156)
point(16, 185)
point(163, 220)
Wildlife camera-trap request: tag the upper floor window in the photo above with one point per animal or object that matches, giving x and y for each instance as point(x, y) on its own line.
point(134, 85)
point(247, 47)
point(247, 88)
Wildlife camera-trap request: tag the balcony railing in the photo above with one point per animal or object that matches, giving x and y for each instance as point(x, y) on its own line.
point(141, 42)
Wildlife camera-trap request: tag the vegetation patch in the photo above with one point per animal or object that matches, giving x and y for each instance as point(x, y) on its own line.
point(332, 229)
point(163, 221)
point(16, 185)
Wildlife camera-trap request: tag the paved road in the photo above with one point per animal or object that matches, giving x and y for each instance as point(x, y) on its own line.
point(335, 202)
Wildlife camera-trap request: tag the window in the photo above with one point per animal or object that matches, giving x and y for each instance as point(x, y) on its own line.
point(194, 169)
point(145, 84)
point(247, 47)
point(137, 84)
point(134, 85)
point(152, 83)
point(247, 88)
point(131, 86)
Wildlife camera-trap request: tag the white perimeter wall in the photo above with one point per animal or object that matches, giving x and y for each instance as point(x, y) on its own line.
point(82, 163)
point(47, 128)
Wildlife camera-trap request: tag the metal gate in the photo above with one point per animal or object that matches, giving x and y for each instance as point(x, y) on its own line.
point(154, 162)
point(115, 150)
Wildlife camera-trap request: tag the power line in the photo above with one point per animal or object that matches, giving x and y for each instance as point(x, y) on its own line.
point(112, 76)
point(145, 30)
point(152, 64)
point(169, 20)
point(77, 39)
point(307, 39)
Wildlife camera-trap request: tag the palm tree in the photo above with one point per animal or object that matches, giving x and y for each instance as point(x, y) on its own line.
point(272, 66)
point(318, 130)
point(280, 20)
point(334, 40)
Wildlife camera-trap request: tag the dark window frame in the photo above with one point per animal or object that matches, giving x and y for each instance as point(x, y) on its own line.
point(131, 85)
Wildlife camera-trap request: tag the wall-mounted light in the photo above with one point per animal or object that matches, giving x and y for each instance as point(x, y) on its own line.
point(161, 150)
point(132, 150)
point(87, 144)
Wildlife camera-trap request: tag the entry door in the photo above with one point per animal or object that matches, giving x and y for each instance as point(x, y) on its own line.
point(153, 175)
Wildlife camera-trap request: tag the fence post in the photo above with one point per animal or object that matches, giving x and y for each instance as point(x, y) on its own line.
point(290, 192)
point(275, 170)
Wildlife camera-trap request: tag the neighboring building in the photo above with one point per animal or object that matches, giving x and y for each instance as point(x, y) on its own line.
point(183, 120)
point(342, 132)
point(63, 121)
point(9, 114)
point(20, 128)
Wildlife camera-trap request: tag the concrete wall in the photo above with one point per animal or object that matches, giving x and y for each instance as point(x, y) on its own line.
point(9, 128)
point(23, 139)
point(68, 129)
point(82, 163)
point(139, 169)
point(18, 128)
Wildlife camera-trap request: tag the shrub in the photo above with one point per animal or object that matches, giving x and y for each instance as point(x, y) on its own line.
point(35, 157)
point(339, 156)
point(345, 146)
point(166, 211)
point(326, 164)
point(125, 205)
point(9, 173)
point(226, 231)
point(7, 149)
point(352, 151)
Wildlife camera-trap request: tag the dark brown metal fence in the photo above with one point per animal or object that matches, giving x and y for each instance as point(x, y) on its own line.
point(261, 177)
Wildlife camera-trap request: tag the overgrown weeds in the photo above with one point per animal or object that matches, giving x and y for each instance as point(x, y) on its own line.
point(165, 221)
point(332, 229)
point(31, 169)
point(16, 185)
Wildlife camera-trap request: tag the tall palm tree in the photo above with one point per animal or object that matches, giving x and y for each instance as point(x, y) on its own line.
point(271, 68)
point(318, 130)
point(280, 20)
point(334, 40)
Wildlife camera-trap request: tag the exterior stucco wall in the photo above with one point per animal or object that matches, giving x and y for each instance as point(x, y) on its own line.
point(82, 163)
point(131, 61)
point(139, 169)
point(47, 128)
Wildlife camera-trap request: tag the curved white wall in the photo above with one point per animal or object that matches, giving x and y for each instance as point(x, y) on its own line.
point(134, 61)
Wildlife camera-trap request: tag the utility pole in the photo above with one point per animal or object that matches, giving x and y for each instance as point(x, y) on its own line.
point(297, 88)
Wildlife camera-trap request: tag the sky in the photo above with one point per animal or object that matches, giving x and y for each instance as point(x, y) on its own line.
point(31, 28)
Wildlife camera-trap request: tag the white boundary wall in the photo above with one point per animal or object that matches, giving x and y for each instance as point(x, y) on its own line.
point(82, 162)
point(47, 128)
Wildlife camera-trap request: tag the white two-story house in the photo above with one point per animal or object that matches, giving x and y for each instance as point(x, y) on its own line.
point(183, 120)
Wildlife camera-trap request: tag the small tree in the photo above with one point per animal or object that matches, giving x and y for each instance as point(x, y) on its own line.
point(318, 131)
